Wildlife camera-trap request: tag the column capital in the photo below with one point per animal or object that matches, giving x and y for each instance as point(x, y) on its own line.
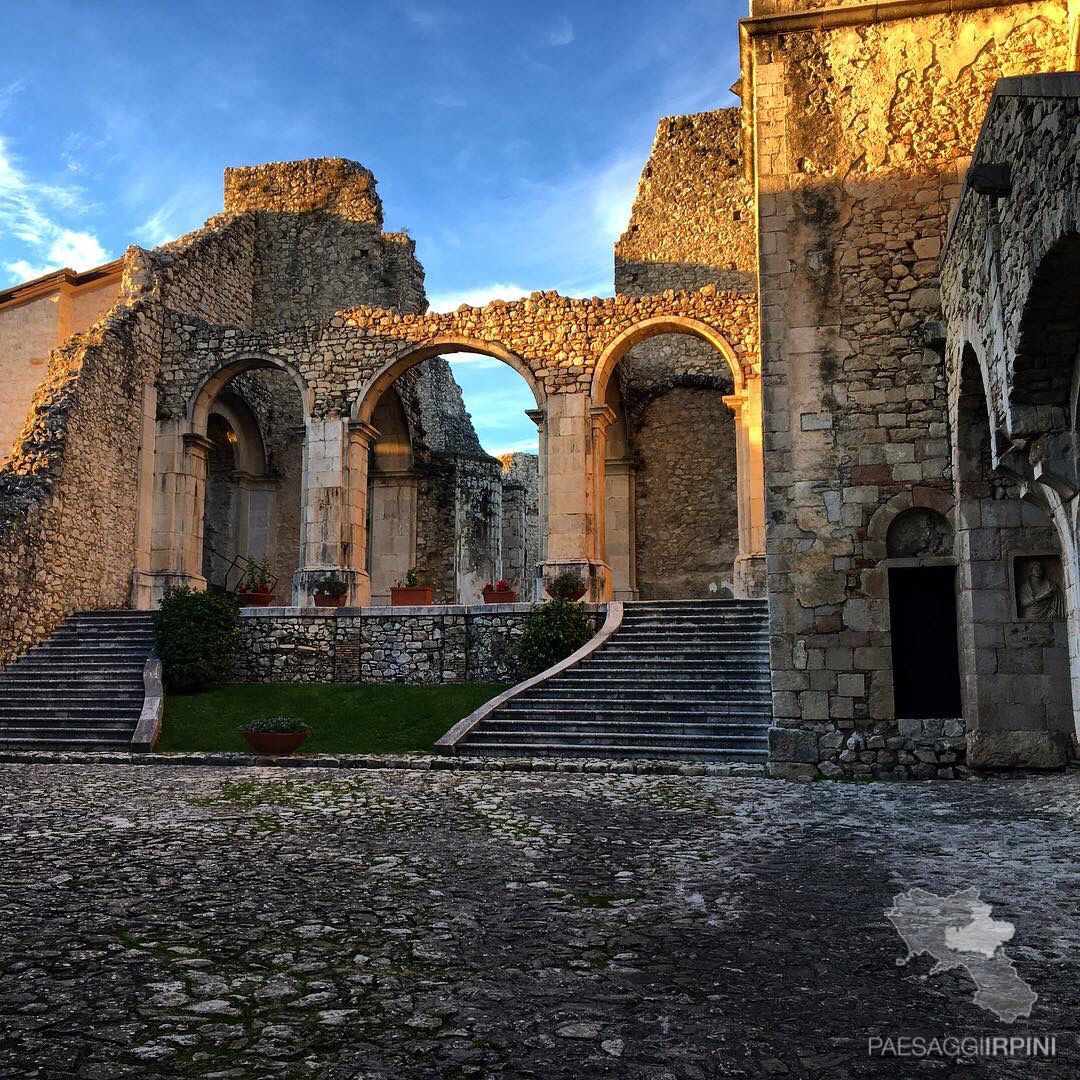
point(368, 432)
point(537, 416)
point(603, 416)
point(198, 444)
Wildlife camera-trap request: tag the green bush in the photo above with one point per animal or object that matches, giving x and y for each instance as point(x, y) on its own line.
point(197, 636)
point(274, 725)
point(552, 632)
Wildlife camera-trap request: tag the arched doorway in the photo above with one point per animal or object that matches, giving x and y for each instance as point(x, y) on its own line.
point(228, 480)
point(685, 431)
point(922, 615)
point(467, 516)
point(1014, 653)
point(392, 499)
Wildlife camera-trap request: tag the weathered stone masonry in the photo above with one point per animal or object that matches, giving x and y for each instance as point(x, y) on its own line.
point(439, 644)
point(192, 319)
point(860, 125)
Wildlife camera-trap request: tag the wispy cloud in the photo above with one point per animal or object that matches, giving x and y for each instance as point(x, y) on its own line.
point(477, 296)
point(562, 33)
point(28, 210)
point(425, 19)
point(8, 94)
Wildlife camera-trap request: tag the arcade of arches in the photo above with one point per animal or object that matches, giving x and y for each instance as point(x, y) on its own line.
point(857, 397)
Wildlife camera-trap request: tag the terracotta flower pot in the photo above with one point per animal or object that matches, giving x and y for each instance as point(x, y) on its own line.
point(500, 596)
point(576, 595)
point(404, 596)
point(326, 600)
point(275, 742)
point(254, 599)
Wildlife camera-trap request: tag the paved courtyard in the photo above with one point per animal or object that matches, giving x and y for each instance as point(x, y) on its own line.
point(213, 922)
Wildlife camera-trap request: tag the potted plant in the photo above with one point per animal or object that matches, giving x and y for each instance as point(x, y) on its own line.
point(254, 590)
point(275, 734)
point(566, 586)
point(331, 592)
point(499, 593)
point(409, 592)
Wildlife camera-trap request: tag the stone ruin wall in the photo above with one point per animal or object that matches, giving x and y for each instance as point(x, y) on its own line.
point(455, 643)
point(692, 225)
point(995, 297)
point(521, 527)
point(862, 134)
point(70, 490)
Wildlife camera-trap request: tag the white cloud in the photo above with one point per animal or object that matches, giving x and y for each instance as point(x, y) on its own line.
point(27, 212)
point(79, 250)
point(477, 296)
point(22, 271)
point(523, 446)
point(562, 34)
point(425, 19)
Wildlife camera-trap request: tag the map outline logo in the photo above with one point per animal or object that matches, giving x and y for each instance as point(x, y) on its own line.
point(958, 931)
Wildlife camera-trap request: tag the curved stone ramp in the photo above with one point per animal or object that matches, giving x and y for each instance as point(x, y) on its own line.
point(82, 688)
point(662, 679)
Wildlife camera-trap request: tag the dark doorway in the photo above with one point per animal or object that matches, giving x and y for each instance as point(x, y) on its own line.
point(926, 669)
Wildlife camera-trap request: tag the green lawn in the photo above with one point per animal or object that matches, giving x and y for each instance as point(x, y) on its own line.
point(365, 719)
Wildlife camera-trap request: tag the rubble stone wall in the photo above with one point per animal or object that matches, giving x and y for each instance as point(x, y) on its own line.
point(862, 132)
point(437, 644)
point(1010, 280)
point(687, 511)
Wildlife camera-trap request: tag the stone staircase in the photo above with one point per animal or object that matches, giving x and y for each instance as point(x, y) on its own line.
point(679, 679)
point(82, 689)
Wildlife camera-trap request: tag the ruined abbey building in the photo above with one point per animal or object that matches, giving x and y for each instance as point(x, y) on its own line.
point(838, 371)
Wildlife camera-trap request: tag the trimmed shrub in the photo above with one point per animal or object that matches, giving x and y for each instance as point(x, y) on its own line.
point(197, 637)
point(275, 725)
point(552, 632)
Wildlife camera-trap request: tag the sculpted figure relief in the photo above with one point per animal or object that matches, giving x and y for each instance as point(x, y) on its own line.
point(1038, 597)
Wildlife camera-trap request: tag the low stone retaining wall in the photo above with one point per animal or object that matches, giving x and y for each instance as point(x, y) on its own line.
point(905, 749)
point(436, 644)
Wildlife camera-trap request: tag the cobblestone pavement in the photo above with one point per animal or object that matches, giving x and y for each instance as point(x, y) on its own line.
point(201, 922)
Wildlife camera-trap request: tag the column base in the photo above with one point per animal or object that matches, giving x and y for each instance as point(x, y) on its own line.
point(303, 591)
point(596, 575)
point(750, 581)
point(148, 586)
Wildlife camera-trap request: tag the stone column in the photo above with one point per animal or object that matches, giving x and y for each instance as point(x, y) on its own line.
point(392, 546)
point(536, 571)
point(574, 466)
point(142, 578)
point(333, 521)
point(619, 526)
point(179, 501)
point(515, 568)
point(749, 569)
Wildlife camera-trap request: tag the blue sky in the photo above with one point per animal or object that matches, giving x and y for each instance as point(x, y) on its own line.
point(507, 138)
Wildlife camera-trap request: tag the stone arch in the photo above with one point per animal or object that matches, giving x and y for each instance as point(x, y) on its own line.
point(1044, 362)
point(744, 404)
point(661, 324)
point(931, 500)
point(211, 385)
point(1016, 695)
point(368, 398)
point(392, 498)
point(248, 448)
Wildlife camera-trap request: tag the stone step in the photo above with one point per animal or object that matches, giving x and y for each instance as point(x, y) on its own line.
point(574, 748)
point(45, 697)
point(599, 735)
point(606, 712)
point(555, 723)
point(21, 711)
point(119, 731)
point(698, 686)
point(49, 676)
point(72, 739)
